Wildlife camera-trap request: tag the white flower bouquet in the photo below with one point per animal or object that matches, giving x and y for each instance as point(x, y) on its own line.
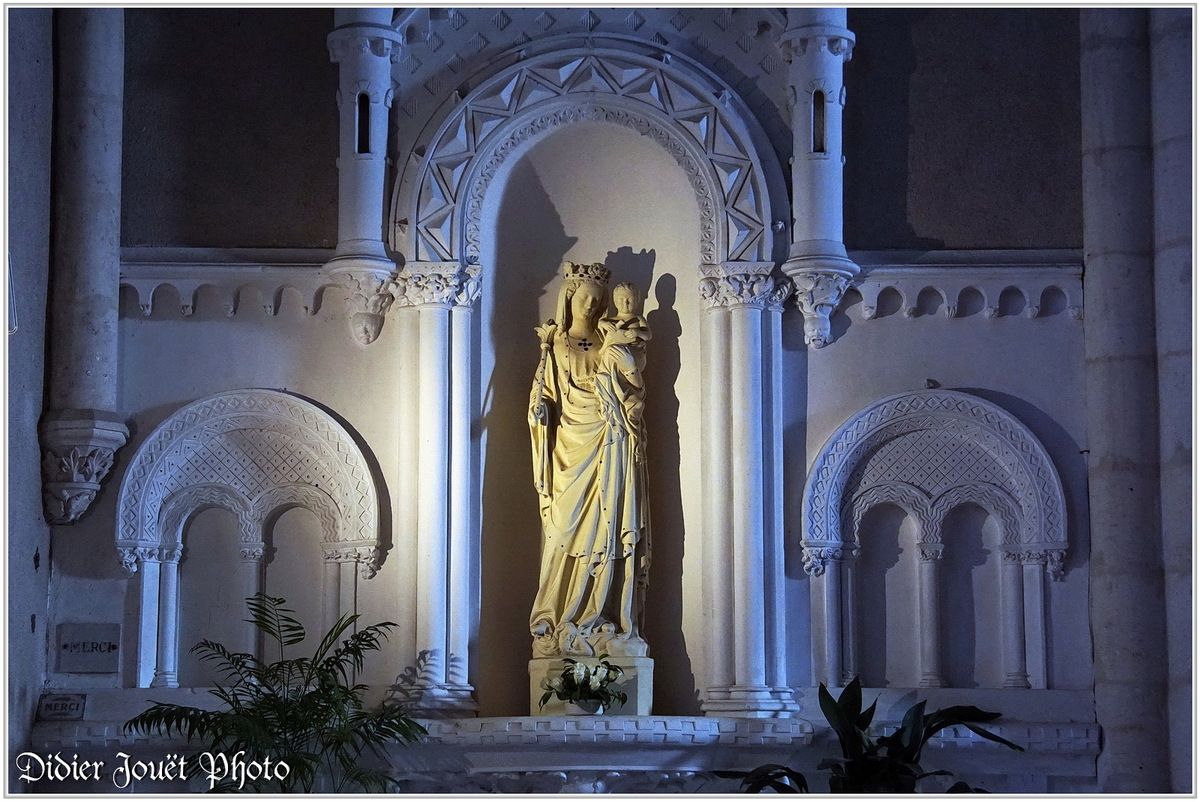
point(580, 682)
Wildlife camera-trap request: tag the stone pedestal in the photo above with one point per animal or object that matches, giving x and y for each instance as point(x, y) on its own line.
point(637, 683)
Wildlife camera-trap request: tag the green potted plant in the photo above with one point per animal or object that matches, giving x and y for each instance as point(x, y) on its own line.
point(302, 712)
point(587, 690)
point(885, 764)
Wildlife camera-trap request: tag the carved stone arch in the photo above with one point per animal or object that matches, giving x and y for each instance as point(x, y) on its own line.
point(905, 496)
point(700, 121)
point(935, 440)
point(248, 442)
point(991, 498)
point(185, 503)
point(251, 452)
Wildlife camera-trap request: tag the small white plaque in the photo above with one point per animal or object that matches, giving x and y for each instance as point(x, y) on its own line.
point(61, 706)
point(89, 648)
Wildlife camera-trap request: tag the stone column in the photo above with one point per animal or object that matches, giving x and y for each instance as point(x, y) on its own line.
point(849, 616)
point(717, 544)
point(816, 43)
point(1125, 569)
point(364, 45)
point(443, 507)
point(252, 582)
point(1171, 133)
point(930, 615)
point(746, 291)
point(82, 431)
point(1012, 599)
point(166, 673)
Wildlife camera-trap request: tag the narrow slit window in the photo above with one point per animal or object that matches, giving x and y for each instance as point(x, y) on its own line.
point(818, 122)
point(364, 123)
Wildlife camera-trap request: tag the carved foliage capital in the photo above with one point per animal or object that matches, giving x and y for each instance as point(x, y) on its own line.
point(817, 296)
point(78, 448)
point(816, 560)
point(371, 293)
point(439, 284)
point(367, 557)
point(742, 285)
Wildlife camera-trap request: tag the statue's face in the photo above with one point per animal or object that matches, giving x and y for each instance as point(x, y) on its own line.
point(585, 303)
point(623, 300)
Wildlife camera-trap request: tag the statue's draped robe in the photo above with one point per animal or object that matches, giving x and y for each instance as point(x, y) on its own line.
point(591, 478)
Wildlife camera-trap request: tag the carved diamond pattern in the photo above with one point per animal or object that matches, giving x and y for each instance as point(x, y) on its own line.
point(260, 446)
point(458, 19)
point(635, 21)
point(501, 21)
point(935, 440)
point(590, 21)
point(435, 42)
point(680, 20)
point(545, 21)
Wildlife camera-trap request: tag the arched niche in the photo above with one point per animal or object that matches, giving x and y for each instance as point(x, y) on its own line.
point(930, 453)
point(455, 214)
point(253, 453)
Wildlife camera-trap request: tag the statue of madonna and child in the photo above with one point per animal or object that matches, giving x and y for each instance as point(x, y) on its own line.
point(589, 469)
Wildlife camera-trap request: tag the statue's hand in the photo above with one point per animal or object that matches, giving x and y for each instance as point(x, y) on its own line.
point(540, 411)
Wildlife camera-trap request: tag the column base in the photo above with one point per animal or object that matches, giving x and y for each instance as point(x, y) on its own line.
point(442, 701)
point(751, 701)
point(637, 683)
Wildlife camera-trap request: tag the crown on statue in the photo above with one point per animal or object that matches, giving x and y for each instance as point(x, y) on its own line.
point(594, 272)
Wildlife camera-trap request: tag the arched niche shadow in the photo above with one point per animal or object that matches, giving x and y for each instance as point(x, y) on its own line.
point(964, 553)
point(530, 246)
point(664, 604)
point(879, 536)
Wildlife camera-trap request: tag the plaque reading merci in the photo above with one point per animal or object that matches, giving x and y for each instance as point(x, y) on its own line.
point(61, 706)
point(89, 648)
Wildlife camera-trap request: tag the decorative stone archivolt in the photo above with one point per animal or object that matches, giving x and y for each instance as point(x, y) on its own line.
point(928, 453)
point(253, 453)
point(437, 205)
point(936, 441)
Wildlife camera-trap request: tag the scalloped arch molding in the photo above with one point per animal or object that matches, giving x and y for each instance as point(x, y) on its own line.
point(692, 116)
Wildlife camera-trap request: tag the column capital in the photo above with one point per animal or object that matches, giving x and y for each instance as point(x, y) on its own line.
point(78, 447)
point(816, 560)
point(817, 31)
point(445, 284)
point(364, 39)
point(367, 557)
point(742, 284)
point(818, 293)
point(929, 552)
point(371, 282)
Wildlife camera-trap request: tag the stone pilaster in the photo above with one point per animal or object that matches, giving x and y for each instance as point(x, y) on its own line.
point(1171, 132)
point(1125, 569)
point(444, 295)
point(816, 44)
point(364, 45)
point(82, 431)
point(740, 295)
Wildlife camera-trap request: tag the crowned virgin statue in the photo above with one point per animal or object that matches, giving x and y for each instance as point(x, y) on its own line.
point(589, 469)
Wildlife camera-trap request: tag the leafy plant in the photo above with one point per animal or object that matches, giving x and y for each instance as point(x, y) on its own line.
point(299, 711)
point(580, 683)
point(887, 764)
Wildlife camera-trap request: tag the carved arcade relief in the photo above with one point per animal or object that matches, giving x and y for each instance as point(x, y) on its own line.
point(253, 453)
